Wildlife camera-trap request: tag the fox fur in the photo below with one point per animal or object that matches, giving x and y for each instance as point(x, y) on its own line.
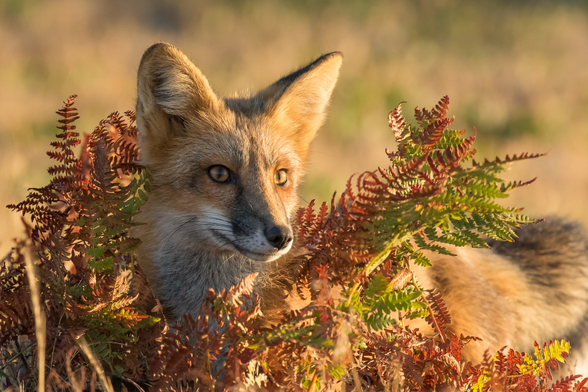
point(532, 289)
point(203, 233)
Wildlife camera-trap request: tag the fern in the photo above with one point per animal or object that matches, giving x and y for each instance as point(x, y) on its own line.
point(550, 353)
point(81, 234)
point(521, 371)
point(356, 268)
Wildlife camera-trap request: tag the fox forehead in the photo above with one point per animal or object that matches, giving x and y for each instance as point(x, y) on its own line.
point(239, 143)
point(243, 143)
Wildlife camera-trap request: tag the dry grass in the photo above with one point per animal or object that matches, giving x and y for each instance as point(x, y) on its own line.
point(517, 72)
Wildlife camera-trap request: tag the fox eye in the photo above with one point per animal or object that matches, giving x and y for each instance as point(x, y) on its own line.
point(281, 177)
point(219, 173)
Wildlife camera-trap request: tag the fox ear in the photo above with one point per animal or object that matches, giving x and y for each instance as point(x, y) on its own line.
point(171, 92)
point(297, 102)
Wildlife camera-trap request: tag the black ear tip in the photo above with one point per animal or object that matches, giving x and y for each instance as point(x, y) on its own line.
point(333, 54)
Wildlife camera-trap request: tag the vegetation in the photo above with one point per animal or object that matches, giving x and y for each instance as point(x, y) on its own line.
point(94, 321)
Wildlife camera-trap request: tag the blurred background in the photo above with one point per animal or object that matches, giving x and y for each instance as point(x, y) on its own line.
point(516, 70)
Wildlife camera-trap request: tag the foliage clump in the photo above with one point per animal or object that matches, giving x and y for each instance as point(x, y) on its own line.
point(361, 245)
point(81, 243)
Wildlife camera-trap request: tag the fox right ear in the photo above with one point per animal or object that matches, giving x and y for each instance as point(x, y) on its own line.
point(171, 93)
point(298, 102)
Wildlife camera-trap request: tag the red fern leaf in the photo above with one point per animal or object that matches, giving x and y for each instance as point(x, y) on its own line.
point(440, 110)
point(433, 132)
point(439, 316)
point(566, 384)
point(397, 123)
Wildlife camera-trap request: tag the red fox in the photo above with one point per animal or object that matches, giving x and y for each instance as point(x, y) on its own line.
point(224, 173)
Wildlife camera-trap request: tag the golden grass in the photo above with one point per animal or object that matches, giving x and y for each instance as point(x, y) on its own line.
point(40, 320)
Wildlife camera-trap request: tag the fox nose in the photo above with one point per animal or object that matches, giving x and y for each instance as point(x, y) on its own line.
point(278, 236)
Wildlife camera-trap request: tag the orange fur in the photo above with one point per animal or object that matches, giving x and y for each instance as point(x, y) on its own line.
point(202, 234)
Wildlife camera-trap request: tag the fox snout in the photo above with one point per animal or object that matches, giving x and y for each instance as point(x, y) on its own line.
point(279, 237)
point(263, 243)
point(258, 232)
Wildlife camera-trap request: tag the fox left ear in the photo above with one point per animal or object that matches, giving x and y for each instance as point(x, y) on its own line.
point(297, 103)
point(171, 92)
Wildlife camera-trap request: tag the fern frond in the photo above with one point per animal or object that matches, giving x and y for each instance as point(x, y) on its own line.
point(546, 357)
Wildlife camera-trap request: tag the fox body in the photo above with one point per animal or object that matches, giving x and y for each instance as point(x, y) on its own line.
point(224, 173)
point(533, 289)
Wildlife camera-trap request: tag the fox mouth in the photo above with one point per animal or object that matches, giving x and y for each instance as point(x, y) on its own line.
point(257, 256)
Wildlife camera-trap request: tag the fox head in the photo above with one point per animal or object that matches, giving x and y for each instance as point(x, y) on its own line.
point(224, 171)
